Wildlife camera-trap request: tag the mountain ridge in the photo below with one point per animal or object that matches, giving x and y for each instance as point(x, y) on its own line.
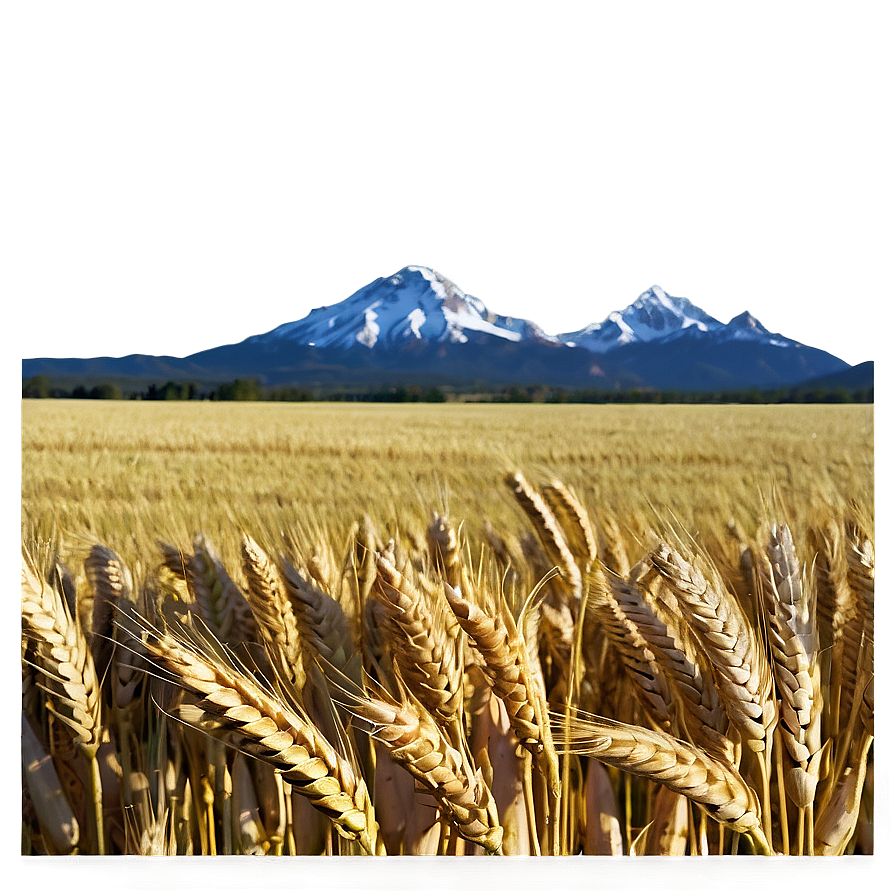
point(418, 322)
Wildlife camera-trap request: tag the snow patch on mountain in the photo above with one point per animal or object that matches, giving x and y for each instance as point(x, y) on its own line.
point(459, 322)
point(367, 336)
point(417, 318)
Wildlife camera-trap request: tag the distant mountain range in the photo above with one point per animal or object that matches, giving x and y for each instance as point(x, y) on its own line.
point(418, 327)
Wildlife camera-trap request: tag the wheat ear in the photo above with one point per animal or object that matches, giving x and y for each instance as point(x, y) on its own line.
point(792, 636)
point(220, 602)
point(704, 719)
point(549, 533)
point(860, 561)
point(424, 640)
point(506, 668)
point(509, 671)
point(418, 745)
point(273, 613)
point(68, 677)
point(111, 583)
point(322, 622)
point(574, 522)
point(64, 659)
point(613, 554)
point(860, 575)
point(270, 730)
point(743, 675)
point(834, 607)
point(646, 674)
point(710, 782)
point(444, 547)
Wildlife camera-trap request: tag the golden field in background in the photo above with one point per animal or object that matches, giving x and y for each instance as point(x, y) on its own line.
point(127, 473)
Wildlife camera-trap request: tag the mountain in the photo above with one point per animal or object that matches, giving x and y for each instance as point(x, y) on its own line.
point(861, 376)
point(418, 327)
point(416, 304)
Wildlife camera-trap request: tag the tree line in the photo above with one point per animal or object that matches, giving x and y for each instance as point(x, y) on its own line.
point(252, 390)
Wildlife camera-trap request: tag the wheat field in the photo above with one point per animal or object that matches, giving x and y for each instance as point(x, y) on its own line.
point(311, 629)
point(130, 471)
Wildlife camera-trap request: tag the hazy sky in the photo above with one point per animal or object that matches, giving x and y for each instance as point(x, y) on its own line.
point(186, 175)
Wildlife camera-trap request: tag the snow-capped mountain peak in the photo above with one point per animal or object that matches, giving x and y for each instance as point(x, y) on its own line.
point(746, 327)
point(653, 315)
point(416, 303)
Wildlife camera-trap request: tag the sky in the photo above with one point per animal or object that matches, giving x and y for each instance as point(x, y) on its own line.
point(187, 175)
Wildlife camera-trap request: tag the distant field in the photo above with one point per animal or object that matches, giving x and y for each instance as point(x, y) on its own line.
point(129, 472)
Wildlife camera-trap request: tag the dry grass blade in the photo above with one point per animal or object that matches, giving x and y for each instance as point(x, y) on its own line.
point(668, 834)
point(711, 783)
point(601, 831)
point(837, 821)
point(418, 745)
point(58, 824)
point(270, 730)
